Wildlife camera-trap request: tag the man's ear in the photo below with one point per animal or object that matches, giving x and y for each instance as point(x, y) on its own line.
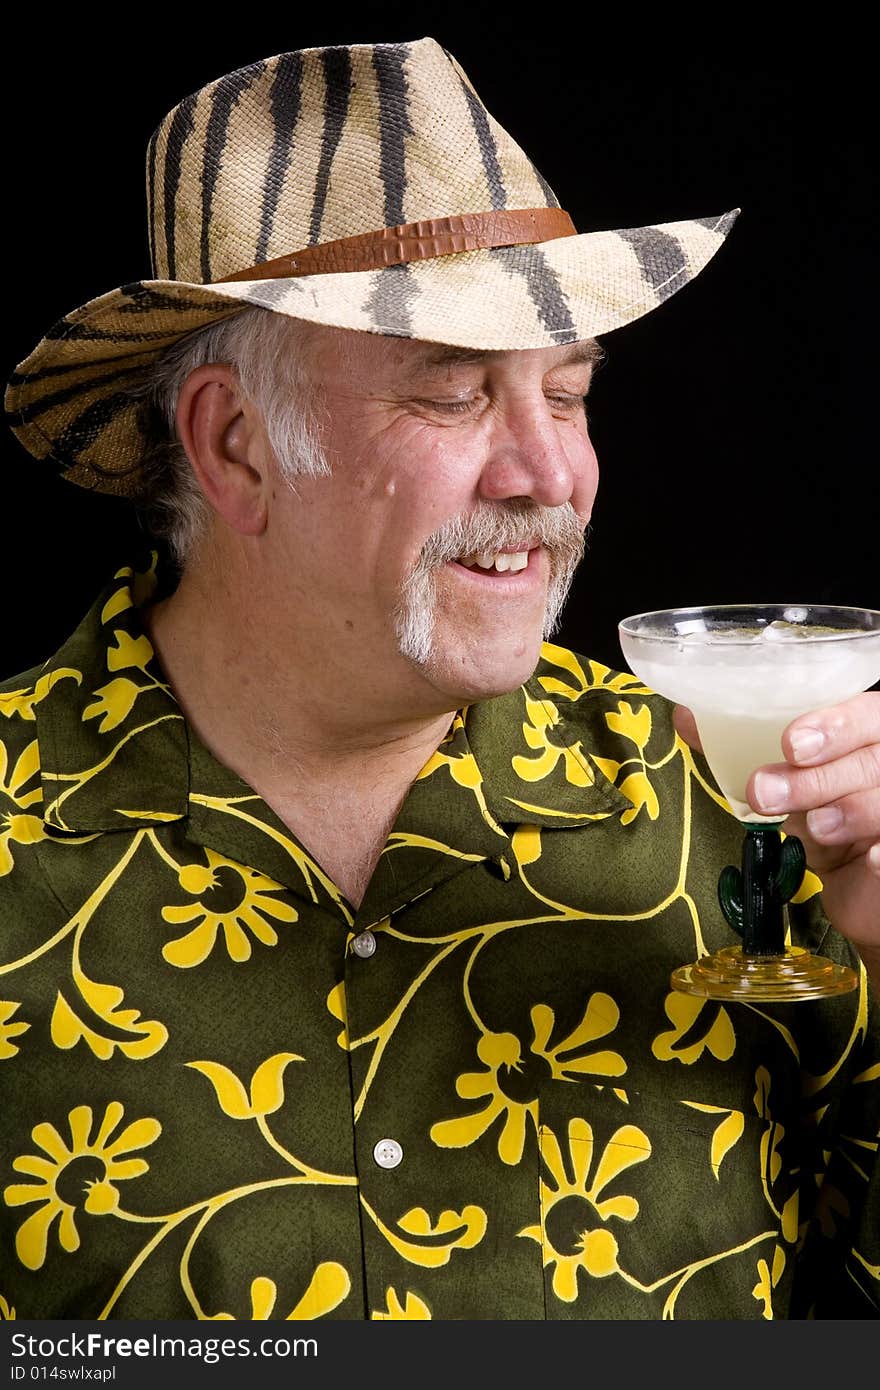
point(226, 444)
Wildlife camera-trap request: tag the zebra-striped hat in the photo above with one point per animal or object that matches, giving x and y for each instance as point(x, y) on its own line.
point(365, 187)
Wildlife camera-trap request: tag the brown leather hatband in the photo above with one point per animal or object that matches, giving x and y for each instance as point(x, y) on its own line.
point(416, 241)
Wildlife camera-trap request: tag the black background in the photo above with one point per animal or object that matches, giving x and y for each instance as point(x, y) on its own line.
point(734, 425)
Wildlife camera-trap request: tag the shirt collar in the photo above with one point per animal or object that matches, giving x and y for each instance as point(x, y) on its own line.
point(116, 754)
point(531, 750)
point(504, 762)
point(112, 738)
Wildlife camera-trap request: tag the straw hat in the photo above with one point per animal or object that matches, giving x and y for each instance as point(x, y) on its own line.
point(363, 186)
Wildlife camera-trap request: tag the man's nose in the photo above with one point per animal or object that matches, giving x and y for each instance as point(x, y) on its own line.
point(527, 458)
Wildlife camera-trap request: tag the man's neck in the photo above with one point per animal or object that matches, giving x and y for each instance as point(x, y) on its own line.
point(278, 717)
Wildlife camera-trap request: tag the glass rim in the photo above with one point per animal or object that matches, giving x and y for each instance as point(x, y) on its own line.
point(626, 628)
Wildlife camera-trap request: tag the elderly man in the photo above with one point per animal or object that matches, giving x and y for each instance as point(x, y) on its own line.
point(338, 906)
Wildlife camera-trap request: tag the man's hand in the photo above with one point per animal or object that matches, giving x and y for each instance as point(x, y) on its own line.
point(830, 789)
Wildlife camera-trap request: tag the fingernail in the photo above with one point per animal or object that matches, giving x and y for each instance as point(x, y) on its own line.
point(824, 821)
point(806, 743)
point(772, 791)
point(874, 859)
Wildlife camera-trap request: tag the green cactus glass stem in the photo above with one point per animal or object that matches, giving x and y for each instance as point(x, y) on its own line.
point(753, 898)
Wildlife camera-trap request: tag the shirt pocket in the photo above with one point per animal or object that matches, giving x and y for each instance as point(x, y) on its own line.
point(651, 1208)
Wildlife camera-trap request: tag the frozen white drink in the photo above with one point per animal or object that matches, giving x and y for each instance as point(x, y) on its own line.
point(747, 672)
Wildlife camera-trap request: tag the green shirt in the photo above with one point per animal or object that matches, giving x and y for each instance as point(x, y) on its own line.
point(227, 1093)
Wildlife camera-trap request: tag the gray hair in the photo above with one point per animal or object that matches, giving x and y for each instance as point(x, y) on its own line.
point(269, 353)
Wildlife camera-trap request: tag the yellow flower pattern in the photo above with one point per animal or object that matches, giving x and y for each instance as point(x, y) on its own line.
point(327, 1289)
point(140, 1037)
point(768, 1278)
point(699, 1026)
point(10, 1028)
point(266, 1089)
point(22, 703)
point(233, 900)
point(228, 1093)
point(634, 725)
point(82, 1173)
point(543, 717)
point(510, 1081)
point(21, 790)
point(431, 1243)
point(579, 1243)
point(412, 1309)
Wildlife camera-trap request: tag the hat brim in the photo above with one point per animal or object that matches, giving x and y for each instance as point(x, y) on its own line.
point(70, 400)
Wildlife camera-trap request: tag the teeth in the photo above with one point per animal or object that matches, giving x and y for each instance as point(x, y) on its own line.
point(501, 562)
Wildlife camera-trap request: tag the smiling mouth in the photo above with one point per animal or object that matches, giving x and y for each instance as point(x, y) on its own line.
point(496, 562)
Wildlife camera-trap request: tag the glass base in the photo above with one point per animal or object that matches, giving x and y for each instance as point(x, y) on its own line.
point(731, 974)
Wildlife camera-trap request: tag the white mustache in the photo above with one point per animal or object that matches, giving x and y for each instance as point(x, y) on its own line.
point(490, 528)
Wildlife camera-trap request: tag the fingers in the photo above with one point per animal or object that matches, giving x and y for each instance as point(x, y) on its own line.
point(846, 820)
point(833, 754)
point(850, 897)
point(826, 734)
point(781, 788)
point(824, 854)
point(831, 788)
point(686, 726)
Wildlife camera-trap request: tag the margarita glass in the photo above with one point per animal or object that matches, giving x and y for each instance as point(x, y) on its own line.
point(746, 671)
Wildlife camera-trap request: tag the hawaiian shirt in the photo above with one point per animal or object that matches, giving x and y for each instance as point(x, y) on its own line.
point(228, 1093)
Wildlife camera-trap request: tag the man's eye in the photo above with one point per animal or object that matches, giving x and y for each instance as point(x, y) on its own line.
point(571, 402)
point(449, 405)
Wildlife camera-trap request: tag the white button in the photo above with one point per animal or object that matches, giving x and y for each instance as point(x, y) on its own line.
point(364, 945)
point(388, 1153)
